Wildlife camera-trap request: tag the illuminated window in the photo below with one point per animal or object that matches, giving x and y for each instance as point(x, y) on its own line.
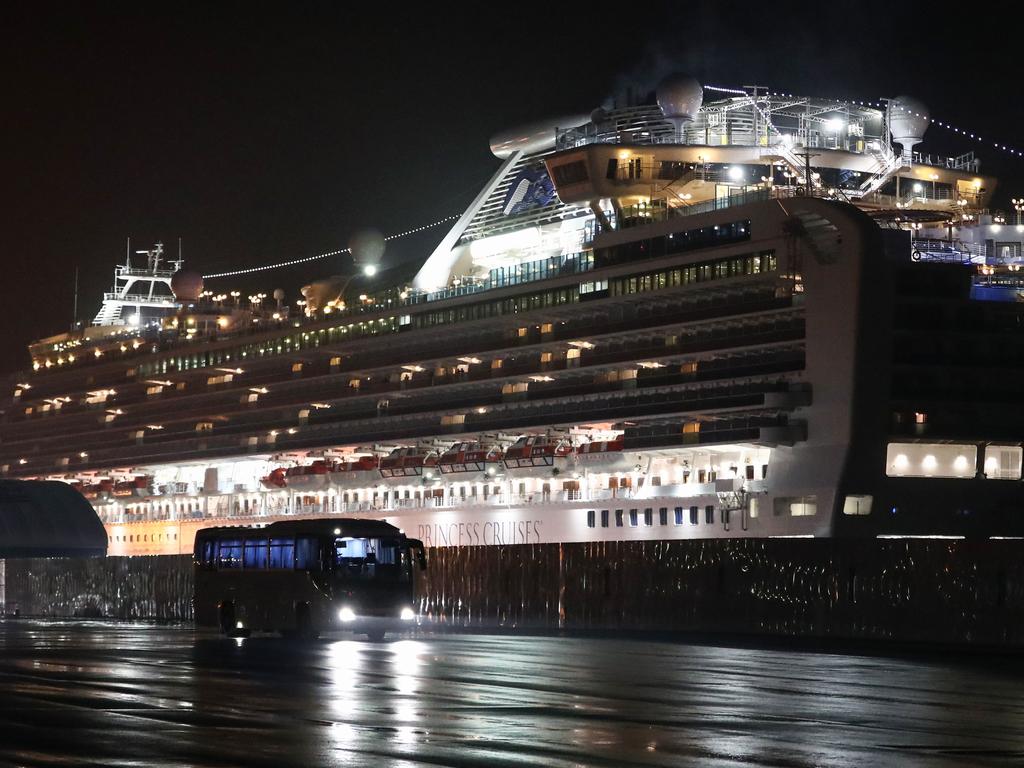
point(857, 505)
point(931, 460)
point(1003, 462)
point(797, 506)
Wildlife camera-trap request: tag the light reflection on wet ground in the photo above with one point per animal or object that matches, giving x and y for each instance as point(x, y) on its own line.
point(79, 693)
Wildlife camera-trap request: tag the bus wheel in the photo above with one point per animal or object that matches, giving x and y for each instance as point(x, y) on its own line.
point(375, 635)
point(304, 623)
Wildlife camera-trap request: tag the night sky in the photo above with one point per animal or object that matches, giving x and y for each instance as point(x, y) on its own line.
point(259, 137)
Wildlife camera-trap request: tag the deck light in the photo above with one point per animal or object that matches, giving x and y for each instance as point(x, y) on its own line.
point(346, 614)
point(408, 614)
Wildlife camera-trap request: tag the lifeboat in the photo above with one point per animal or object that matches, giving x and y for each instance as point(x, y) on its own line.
point(603, 456)
point(137, 486)
point(308, 477)
point(531, 453)
point(358, 472)
point(275, 480)
point(470, 457)
point(404, 465)
point(98, 491)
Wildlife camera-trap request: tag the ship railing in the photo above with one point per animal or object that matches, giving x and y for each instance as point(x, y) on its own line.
point(949, 251)
point(140, 298)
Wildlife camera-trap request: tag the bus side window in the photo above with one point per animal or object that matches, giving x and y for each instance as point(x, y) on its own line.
point(307, 553)
point(229, 554)
point(255, 553)
point(282, 553)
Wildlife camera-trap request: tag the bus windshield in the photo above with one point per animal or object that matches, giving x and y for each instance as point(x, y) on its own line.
point(357, 559)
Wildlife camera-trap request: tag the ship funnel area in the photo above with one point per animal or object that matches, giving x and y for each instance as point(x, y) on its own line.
point(908, 120)
point(680, 97)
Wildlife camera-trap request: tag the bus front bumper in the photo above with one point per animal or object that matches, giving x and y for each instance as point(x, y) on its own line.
point(350, 618)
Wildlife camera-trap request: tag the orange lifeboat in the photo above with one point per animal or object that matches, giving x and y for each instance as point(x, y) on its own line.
point(98, 491)
point(355, 473)
point(137, 486)
point(308, 477)
point(603, 456)
point(470, 457)
point(276, 479)
point(404, 465)
point(531, 453)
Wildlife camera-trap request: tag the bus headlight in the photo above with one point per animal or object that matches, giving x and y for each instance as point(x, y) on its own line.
point(408, 614)
point(347, 614)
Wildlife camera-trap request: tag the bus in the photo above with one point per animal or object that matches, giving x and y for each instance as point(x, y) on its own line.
point(303, 577)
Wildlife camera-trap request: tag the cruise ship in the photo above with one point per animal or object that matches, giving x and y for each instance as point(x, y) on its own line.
point(698, 313)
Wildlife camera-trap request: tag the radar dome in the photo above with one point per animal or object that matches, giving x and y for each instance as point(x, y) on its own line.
point(279, 295)
point(367, 246)
point(186, 286)
point(680, 97)
point(908, 120)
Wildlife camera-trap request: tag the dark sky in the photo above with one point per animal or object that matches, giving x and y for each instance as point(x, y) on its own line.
point(264, 136)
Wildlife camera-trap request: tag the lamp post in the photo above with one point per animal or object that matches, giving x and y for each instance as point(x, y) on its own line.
point(1018, 206)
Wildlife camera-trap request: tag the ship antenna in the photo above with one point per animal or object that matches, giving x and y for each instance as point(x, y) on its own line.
point(74, 306)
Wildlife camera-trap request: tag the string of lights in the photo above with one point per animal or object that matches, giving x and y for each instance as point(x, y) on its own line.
point(339, 252)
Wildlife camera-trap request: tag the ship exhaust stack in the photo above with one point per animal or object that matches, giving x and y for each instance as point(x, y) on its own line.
point(908, 120)
point(680, 97)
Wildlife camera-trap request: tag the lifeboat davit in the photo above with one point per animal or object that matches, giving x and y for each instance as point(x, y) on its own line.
point(603, 456)
point(308, 477)
point(470, 457)
point(137, 486)
point(275, 480)
point(405, 465)
point(532, 454)
point(355, 473)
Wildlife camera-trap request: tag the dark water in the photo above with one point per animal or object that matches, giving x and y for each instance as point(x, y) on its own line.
point(79, 693)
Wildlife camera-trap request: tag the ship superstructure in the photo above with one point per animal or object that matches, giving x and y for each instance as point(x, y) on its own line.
point(756, 316)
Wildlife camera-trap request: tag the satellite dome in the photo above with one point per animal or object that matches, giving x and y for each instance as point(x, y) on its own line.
point(367, 246)
point(680, 97)
point(186, 286)
point(279, 295)
point(908, 120)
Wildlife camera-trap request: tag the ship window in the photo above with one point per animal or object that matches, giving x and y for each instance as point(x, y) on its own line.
point(709, 514)
point(752, 506)
point(857, 505)
point(797, 506)
point(931, 460)
point(618, 518)
point(1002, 462)
point(604, 518)
point(648, 516)
point(590, 518)
point(663, 516)
point(632, 518)
point(694, 515)
point(570, 173)
point(679, 515)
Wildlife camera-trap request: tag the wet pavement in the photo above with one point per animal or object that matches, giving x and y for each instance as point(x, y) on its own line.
point(95, 693)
